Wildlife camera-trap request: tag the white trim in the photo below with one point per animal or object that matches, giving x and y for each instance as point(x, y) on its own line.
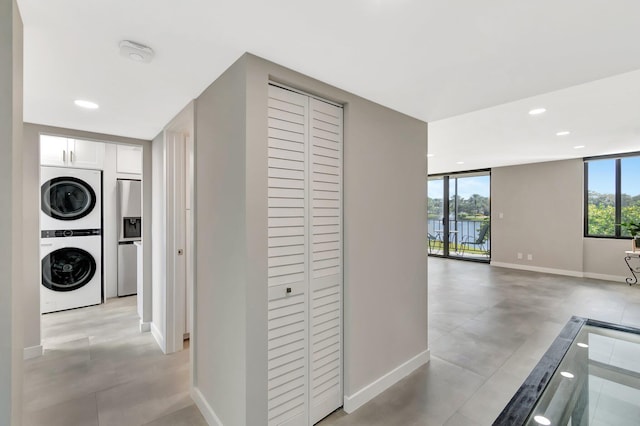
point(538, 269)
point(302, 92)
point(33, 352)
point(605, 277)
point(158, 336)
point(145, 327)
point(367, 393)
point(204, 407)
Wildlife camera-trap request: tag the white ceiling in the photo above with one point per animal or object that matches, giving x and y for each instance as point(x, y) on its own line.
point(603, 117)
point(429, 59)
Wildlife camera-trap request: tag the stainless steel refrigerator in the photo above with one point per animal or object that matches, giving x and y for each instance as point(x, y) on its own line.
point(129, 231)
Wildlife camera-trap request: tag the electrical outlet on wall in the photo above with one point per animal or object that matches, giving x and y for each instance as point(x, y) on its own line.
point(529, 256)
point(519, 255)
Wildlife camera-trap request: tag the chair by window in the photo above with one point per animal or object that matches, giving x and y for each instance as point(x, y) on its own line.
point(480, 242)
point(432, 241)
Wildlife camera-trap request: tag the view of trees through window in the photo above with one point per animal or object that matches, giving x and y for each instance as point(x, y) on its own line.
point(613, 195)
point(459, 214)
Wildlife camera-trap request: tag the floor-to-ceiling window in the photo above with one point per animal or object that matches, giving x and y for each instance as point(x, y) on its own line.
point(459, 215)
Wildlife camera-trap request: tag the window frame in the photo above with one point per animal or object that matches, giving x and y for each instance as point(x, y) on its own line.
point(617, 196)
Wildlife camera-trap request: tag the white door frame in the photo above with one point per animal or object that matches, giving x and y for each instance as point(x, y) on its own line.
point(179, 272)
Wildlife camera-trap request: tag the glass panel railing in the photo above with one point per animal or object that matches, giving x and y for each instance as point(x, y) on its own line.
point(589, 376)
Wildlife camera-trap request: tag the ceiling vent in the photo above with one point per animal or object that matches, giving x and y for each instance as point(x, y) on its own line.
point(136, 51)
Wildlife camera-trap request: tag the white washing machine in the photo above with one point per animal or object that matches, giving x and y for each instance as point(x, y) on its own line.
point(70, 198)
point(71, 269)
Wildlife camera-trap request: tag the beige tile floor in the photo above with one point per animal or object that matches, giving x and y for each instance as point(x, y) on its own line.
point(487, 329)
point(98, 369)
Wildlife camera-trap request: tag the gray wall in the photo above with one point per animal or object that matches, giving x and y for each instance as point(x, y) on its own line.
point(604, 258)
point(10, 219)
point(220, 240)
point(31, 215)
point(385, 279)
point(542, 205)
point(542, 208)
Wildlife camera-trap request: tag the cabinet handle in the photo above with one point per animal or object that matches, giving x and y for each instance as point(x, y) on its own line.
point(64, 156)
point(71, 156)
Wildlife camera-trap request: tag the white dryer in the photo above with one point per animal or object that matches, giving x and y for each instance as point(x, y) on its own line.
point(71, 269)
point(70, 198)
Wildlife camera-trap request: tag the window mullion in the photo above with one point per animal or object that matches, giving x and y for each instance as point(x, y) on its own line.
point(618, 197)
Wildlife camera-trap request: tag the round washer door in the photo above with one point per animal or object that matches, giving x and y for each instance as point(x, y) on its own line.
point(67, 198)
point(67, 269)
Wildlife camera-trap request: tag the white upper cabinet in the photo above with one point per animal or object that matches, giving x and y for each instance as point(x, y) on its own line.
point(65, 152)
point(53, 151)
point(86, 154)
point(129, 159)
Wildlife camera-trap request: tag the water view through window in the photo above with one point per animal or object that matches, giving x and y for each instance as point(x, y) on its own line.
point(460, 226)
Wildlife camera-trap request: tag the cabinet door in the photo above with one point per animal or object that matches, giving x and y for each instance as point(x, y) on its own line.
point(129, 159)
point(86, 154)
point(53, 150)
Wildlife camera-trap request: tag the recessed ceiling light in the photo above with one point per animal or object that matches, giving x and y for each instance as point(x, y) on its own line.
point(542, 420)
point(583, 345)
point(86, 104)
point(567, 375)
point(430, 155)
point(578, 147)
point(537, 111)
point(459, 162)
point(563, 133)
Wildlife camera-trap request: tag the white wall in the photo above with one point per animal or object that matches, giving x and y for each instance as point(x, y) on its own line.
point(159, 254)
point(11, 218)
point(542, 208)
point(385, 280)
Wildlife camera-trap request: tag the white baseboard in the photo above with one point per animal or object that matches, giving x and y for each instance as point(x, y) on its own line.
point(159, 337)
point(145, 327)
point(532, 268)
point(33, 352)
point(204, 407)
point(605, 277)
point(367, 393)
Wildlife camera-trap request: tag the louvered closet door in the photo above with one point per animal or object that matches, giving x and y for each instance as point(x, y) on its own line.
point(288, 259)
point(326, 258)
point(305, 258)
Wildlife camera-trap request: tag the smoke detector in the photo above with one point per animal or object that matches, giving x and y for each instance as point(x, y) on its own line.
point(136, 51)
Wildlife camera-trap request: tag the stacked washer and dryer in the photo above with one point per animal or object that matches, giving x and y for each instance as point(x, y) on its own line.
point(71, 238)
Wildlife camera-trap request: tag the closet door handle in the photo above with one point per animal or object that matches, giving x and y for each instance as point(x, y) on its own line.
point(71, 156)
point(64, 156)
